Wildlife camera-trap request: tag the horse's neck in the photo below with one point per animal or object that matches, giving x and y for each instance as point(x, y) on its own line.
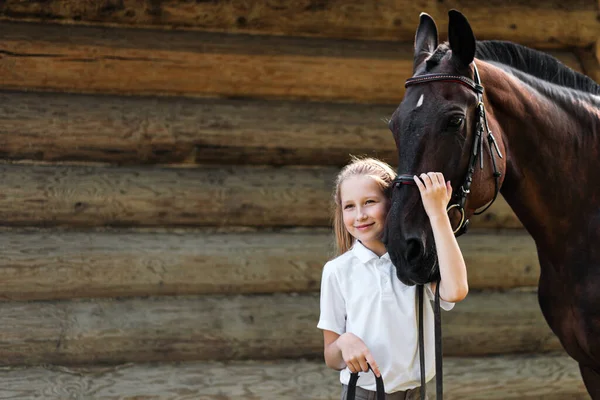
point(552, 154)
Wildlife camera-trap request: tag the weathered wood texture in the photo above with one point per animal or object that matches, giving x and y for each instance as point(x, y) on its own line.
point(133, 130)
point(237, 327)
point(131, 61)
point(72, 195)
point(507, 377)
point(50, 264)
point(210, 196)
point(544, 377)
point(550, 23)
point(590, 61)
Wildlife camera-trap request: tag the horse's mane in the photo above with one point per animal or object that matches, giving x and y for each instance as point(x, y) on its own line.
point(535, 63)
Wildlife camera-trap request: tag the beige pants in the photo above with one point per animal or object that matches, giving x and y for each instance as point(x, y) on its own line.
point(362, 394)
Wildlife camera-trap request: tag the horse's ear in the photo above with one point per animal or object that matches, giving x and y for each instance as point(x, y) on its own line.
point(426, 38)
point(461, 38)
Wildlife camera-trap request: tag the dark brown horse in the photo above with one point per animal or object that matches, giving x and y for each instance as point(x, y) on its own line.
point(532, 132)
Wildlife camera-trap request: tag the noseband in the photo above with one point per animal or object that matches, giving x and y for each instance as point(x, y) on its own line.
point(481, 128)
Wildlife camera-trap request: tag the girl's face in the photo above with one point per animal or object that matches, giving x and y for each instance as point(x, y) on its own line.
point(364, 208)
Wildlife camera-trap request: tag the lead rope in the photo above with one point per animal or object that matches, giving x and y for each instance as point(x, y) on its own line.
point(439, 379)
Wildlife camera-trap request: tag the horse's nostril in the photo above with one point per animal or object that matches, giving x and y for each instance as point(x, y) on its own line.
point(414, 250)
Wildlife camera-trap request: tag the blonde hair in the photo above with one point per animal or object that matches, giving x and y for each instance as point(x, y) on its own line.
point(380, 171)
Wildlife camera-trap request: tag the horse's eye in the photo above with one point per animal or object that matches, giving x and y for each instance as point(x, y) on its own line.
point(455, 122)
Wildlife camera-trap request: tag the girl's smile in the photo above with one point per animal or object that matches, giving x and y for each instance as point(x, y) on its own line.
point(365, 227)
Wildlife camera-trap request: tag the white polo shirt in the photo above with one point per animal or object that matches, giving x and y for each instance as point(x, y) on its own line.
point(361, 294)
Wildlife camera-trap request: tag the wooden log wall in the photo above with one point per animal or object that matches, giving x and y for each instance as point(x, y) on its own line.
point(165, 180)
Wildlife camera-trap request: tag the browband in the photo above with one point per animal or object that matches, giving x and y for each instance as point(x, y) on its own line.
point(446, 78)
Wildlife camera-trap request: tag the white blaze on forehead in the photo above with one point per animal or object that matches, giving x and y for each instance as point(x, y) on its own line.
point(420, 102)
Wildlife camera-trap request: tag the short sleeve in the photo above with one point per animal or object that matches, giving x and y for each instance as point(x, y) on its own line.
point(446, 305)
point(333, 305)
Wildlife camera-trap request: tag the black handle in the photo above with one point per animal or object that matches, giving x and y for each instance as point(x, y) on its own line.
point(352, 386)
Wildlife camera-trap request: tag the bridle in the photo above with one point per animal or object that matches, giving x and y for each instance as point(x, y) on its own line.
point(459, 201)
point(481, 128)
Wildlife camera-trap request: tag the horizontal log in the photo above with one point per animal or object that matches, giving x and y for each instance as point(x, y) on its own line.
point(50, 195)
point(551, 23)
point(553, 376)
point(237, 327)
point(500, 260)
point(134, 130)
point(129, 61)
point(548, 377)
point(80, 196)
point(51, 264)
point(88, 59)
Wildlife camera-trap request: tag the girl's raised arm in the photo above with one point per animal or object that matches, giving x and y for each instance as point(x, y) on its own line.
point(436, 193)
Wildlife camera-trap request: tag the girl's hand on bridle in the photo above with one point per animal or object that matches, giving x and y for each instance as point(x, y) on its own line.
point(435, 193)
point(356, 355)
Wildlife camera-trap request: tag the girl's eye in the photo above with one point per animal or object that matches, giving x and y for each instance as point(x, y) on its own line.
point(349, 206)
point(455, 122)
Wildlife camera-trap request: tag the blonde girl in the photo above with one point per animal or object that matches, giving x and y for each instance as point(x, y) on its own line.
point(368, 316)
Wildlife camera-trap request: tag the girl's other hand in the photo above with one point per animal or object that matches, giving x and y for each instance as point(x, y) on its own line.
point(356, 355)
point(435, 193)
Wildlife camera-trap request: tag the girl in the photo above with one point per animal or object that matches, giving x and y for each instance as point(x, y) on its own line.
point(367, 314)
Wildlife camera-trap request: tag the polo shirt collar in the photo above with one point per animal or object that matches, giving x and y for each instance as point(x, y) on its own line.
point(365, 255)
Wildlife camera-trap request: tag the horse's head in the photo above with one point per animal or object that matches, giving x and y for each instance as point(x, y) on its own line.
point(436, 128)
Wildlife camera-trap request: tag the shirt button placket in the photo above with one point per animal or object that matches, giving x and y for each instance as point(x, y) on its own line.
point(385, 279)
